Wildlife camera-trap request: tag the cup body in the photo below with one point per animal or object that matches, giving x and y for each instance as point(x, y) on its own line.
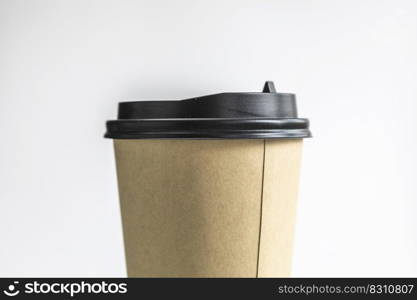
point(208, 208)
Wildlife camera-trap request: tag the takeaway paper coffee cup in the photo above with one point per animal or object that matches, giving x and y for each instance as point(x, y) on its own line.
point(208, 185)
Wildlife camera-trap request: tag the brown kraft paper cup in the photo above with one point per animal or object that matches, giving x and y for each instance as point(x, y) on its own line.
point(208, 207)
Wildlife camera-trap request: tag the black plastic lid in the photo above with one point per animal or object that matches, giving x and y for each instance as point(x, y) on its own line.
point(266, 115)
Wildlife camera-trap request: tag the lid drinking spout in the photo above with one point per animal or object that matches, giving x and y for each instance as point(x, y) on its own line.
point(269, 87)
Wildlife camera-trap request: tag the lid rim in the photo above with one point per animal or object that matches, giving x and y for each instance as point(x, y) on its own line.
point(266, 128)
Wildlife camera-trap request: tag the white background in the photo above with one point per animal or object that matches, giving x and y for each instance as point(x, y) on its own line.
point(64, 65)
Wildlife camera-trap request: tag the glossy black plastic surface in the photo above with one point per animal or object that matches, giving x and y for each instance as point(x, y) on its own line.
point(226, 115)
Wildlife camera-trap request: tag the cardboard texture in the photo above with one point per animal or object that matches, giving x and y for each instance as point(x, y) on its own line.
point(280, 191)
point(208, 208)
